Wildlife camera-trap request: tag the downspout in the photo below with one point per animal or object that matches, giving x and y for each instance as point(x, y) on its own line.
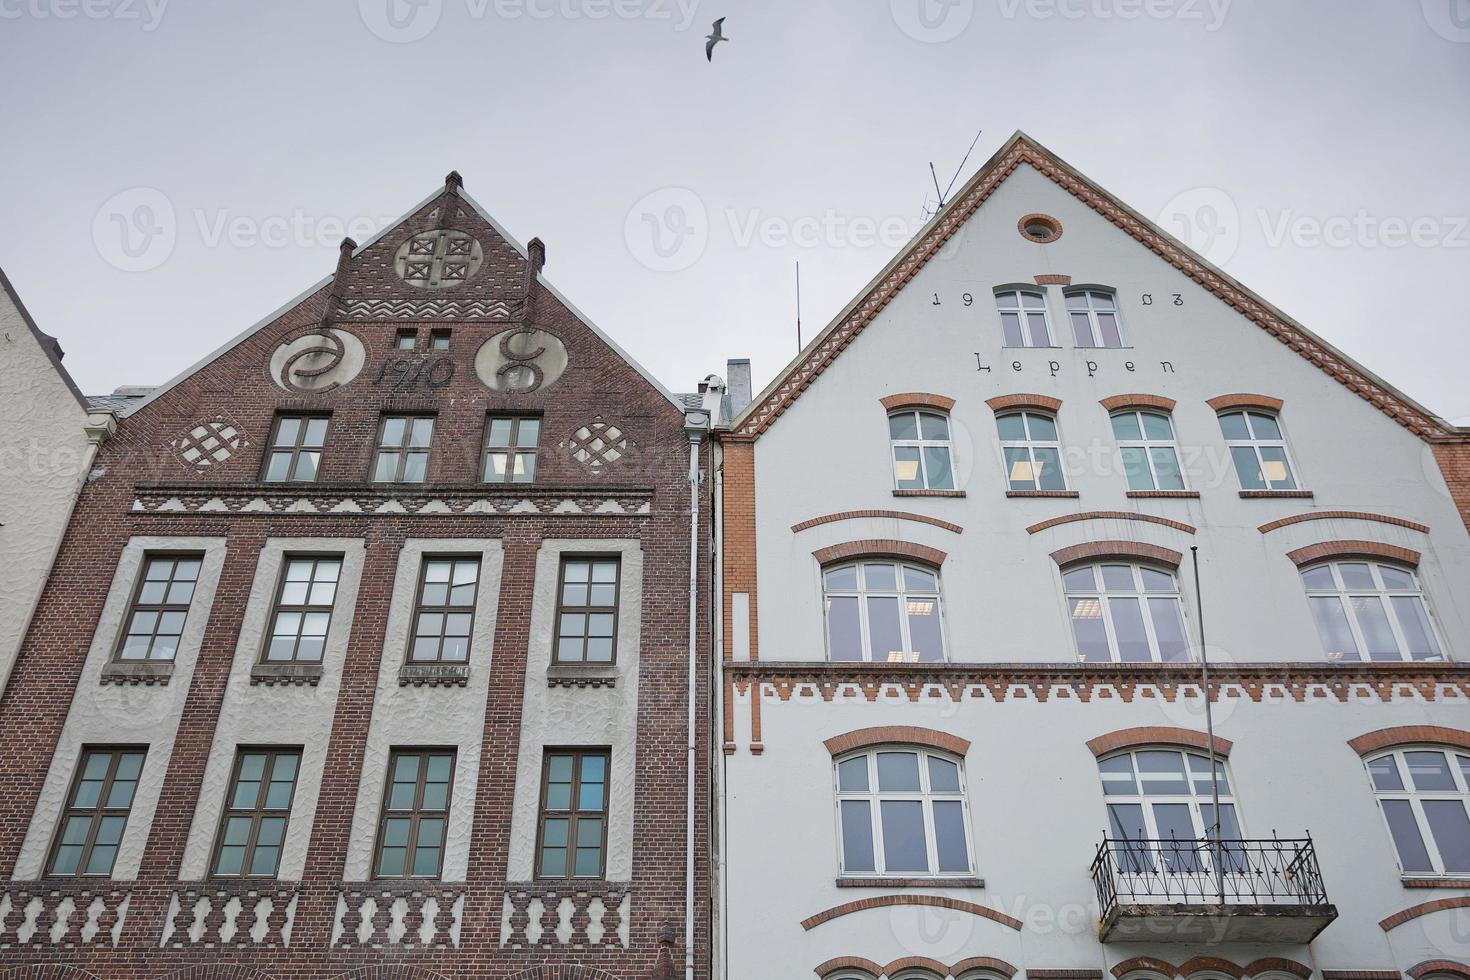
point(694, 424)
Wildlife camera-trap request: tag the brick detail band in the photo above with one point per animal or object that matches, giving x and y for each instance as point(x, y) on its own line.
point(1352, 515)
point(901, 734)
point(1052, 281)
point(1117, 549)
point(878, 548)
point(1045, 403)
point(897, 515)
point(917, 399)
point(1109, 515)
point(1114, 403)
point(891, 901)
point(1424, 908)
point(1385, 738)
point(1353, 549)
point(1222, 403)
point(1156, 735)
point(1439, 966)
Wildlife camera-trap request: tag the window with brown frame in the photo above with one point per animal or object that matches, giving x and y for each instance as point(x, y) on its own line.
point(415, 811)
point(510, 449)
point(303, 609)
point(406, 339)
point(156, 617)
point(403, 449)
point(571, 836)
point(96, 811)
point(252, 830)
point(439, 339)
point(587, 611)
point(444, 611)
point(295, 452)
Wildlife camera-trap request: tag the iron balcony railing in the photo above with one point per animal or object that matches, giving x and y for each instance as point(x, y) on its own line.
point(1138, 871)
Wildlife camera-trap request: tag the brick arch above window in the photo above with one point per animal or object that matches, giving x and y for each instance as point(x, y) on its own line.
point(878, 548)
point(989, 963)
point(1040, 403)
point(1324, 550)
point(1385, 738)
point(863, 738)
point(917, 400)
point(916, 963)
point(1103, 550)
point(1424, 908)
point(1223, 403)
point(1429, 967)
point(1137, 400)
point(1130, 738)
point(840, 963)
point(1344, 515)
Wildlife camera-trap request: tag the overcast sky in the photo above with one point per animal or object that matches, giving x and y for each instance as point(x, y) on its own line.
point(172, 171)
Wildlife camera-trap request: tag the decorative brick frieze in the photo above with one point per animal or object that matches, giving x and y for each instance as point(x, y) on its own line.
point(916, 400)
point(240, 914)
point(879, 548)
point(1117, 549)
point(1385, 738)
point(360, 502)
point(1156, 735)
point(895, 515)
point(414, 915)
point(63, 914)
point(1325, 550)
point(599, 913)
point(1346, 515)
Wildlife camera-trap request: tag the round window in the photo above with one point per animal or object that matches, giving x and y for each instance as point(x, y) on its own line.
point(1040, 228)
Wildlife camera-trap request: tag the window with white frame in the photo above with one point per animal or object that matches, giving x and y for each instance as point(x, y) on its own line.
point(885, 611)
point(1165, 795)
point(1258, 450)
point(1370, 611)
point(921, 450)
point(1032, 450)
point(1424, 793)
point(1023, 318)
point(1149, 451)
point(901, 811)
point(1125, 612)
point(1094, 316)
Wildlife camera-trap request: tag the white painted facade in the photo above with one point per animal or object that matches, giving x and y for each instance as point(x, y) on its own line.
point(1034, 797)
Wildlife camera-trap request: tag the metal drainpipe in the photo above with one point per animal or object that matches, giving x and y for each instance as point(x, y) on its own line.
point(694, 440)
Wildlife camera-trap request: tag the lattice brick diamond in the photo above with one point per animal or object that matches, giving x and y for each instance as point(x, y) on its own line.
point(598, 445)
point(210, 443)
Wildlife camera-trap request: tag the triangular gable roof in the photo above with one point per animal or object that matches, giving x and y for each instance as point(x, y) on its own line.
point(301, 297)
point(49, 344)
point(1020, 148)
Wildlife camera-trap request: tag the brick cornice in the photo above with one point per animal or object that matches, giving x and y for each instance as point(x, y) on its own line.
point(1109, 515)
point(879, 548)
point(1127, 738)
point(1439, 966)
point(1353, 515)
point(1323, 550)
point(1022, 150)
point(1385, 738)
point(916, 399)
point(899, 735)
point(891, 901)
point(1424, 908)
point(1117, 549)
point(1224, 403)
point(1041, 403)
point(1115, 403)
point(897, 515)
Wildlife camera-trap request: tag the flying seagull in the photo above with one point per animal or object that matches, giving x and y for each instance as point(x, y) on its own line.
point(714, 38)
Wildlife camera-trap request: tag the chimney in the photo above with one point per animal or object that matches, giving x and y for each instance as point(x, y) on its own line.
point(737, 386)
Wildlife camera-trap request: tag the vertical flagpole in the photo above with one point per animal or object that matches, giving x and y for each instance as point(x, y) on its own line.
point(798, 306)
point(1204, 674)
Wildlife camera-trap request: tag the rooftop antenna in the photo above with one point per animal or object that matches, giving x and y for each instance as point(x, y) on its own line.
point(798, 306)
point(943, 195)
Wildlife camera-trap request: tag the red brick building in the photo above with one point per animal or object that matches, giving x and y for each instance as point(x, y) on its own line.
point(367, 652)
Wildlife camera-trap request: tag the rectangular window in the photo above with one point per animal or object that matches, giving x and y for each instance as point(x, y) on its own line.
point(406, 339)
point(444, 614)
point(96, 812)
point(439, 339)
point(295, 452)
point(403, 449)
point(156, 618)
point(303, 609)
point(253, 828)
point(415, 810)
point(1023, 318)
point(510, 450)
point(587, 611)
point(572, 836)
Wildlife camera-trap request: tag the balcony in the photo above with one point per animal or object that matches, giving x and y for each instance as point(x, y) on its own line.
point(1194, 891)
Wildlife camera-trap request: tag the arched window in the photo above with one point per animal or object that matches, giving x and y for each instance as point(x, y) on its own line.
point(1023, 318)
point(1094, 314)
point(921, 450)
point(886, 611)
point(1033, 451)
point(1258, 450)
point(1370, 611)
point(1125, 612)
point(901, 811)
point(1424, 793)
point(1164, 795)
point(1150, 454)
